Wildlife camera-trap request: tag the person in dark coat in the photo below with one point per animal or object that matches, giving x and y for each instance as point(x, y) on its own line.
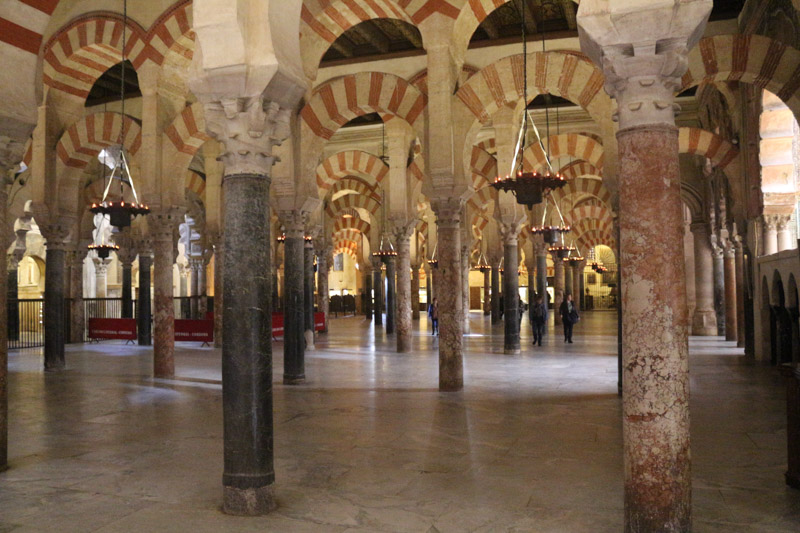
point(569, 316)
point(538, 318)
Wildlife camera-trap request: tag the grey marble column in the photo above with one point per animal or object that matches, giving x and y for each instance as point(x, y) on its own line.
point(294, 369)
point(402, 240)
point(448, 279)
point(719, 289)
point(568, 283)
point(541, 274)
point(465, 287)
point(219, 286)
point(377, 286)
point(414, 292)
point(487, 293)
point(558, 266)
point(391, 301)
point(495, 292)
point(368, 291)
point(511, 320)
point(54, 294)
point(323, 266)
point(127, 289)
point(579, 285)
point(161, 226)
point(143, 306)
point(12, 308)
point(308, 293)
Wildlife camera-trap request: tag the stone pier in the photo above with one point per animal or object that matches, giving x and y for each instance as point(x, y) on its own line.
point(308, 293)
point(402, 236)
point(510, 233)
point(391, 301)
point(143, 305)
point(294, 297)
point(705, 319)
point(161, 229)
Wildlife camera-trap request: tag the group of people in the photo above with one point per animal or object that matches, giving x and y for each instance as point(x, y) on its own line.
point(538, 316)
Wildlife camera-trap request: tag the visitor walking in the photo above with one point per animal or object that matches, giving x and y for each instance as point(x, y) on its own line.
point(433, 315)
point(538, 318)
point(569, 316)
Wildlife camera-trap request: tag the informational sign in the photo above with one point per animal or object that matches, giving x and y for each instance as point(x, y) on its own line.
point(112, 328)
point(194, 331)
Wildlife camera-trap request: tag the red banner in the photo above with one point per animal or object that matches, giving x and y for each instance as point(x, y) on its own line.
point(112, 328)
point(319, 321)
point(194, 331)
point(277, 324)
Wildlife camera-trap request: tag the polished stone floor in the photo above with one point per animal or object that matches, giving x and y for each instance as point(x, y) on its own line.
point(533, 443)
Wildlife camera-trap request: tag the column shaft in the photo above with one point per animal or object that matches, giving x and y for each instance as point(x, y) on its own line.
point(127, 290)
point(322, 287)
point(448, 278)
point(4, 286)
point(163, 307)
point(415, 292)
point(294, 371)
point(368, 291)
point(308, 294)
point(54, 283)
point(403, 293)
point(377, 285)
point(655, 346)
point(495, 294)
point(511, 296)
point(465, 288)
point(77, 314)
point(143, 307)
point(577, 277)
point(13, 302)
point(705, 320)
point(487, 292)
point(391, 301)
point(731, 324)
point(740, 324)
point(719, 291)
point(558, 265)
point(219, 287)
point(247, 347)
point(541, 276)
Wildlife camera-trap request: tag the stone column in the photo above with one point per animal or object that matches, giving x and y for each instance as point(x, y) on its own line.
point(487, 292)
point(195, 268)
point(126, 260)
point(323, 267)
point(143, 306)
point(294, 366)
point(414, 292)
point(308, 293)
point(448, 278)
point(784, 233)
point(10, 155)
point(219, 295)
point(643, 78)
point(54, 292)
point(101, 279)
point(510, 234)
point(719, 288)
point(368, 291)
point(429, 285)
point(558, 266)
point(391, 302)
point(705, 320)
point(377, 286)
point(731, 324)
point(465, 286)
point(402, 239)
point(739, 266)
point(769, 231)
point(568, 279)
point(249, 128)
point(12, 295)
point(577, 283)
point(531, 281)
point(161, 226)
point(541, 272)
point(495, 292)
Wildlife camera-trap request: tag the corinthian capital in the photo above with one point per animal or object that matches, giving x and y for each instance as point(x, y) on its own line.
point(11, 152)
point(248, 128)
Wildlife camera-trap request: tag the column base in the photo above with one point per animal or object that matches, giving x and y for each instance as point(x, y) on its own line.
point(309, 336)
point(704, 324)
point(248, 502)
point(54, 367)
point(451, 387)
point(294, 380)
point(510, 350)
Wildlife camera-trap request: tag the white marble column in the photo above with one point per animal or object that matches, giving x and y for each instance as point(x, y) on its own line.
point(769, 234)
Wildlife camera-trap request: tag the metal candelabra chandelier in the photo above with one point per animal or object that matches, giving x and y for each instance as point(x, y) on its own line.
point(529, 187)
point(433, 260)
point(483, 265)
point(121, 212)
point(552, 234)
point(386, 249)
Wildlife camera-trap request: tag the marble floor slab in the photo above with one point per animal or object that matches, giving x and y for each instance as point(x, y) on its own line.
point(533, 443)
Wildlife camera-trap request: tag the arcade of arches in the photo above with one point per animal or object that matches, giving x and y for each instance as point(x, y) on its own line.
point(280, 144)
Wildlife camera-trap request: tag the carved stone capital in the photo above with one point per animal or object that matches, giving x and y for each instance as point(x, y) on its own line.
point(161, 223)
point(510, 232)
point(294, 223)
point(448, 211)
point(101, 266)
point(248, 128)
point(57, 233)
point(401, 229)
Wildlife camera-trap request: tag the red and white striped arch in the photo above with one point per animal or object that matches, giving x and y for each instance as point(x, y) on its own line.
point(82, 141)
point(346, 247)
point(340, 100)
point(560, 73)
point(579, 168)
point(351, 223)
point(595, 213)
point(23, 22)
point(751, 58)
point(187, 132)
point(352, 201)
point(352, 184)
point(347, 235)
point(83, 50)
point(172, 33)
point(592, 238)
point(722, 154)
point(578, 146)
point(350, 163)
point(195, 184)
point(482, 198)
point(483, 165)
point(582, 187)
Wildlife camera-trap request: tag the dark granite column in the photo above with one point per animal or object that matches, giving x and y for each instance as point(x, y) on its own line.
point(414, 292)
point(308, 294)
point(739, 265)
point(487, 293)
point(719, 289)
point(541, 272)
point(448, 279)
point(323, 266)
point(558, 281)
point(294, 342)
point(4, 286)
point(568, 280)
point(391, 299)
point(377, 285)
point(194, 267)
point(511, 290)
point(127, 290)
point(143, 306)
point(495, 292)
point(368, 293)
point(219, 287)
point(161, 228)
point(77, 313)
point(12, 307)
point(54, 294)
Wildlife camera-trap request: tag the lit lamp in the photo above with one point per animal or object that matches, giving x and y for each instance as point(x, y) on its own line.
point(386, 250)
point(483, 265)
point(433, 261)
point(103, 250)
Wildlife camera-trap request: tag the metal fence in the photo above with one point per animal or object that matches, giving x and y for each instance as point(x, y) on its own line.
point(25, 323)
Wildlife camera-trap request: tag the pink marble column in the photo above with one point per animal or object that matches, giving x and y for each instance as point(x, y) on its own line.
point(731, 324)
point(558, 266)
point(705, 319)
point(643, 77)
point(739, 265)
point(161, 227)
point(402, 235)
point(465, 287)
point(448, 283)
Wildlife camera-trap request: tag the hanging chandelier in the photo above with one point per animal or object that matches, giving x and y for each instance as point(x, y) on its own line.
point(529, 187)
point(561, 251)
point(433, 261)
point(483, 265)
point(386, 250)
point(120, 212)
point(281, 238)
point(103, 250)
point(552, 234)
point(501, 269)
